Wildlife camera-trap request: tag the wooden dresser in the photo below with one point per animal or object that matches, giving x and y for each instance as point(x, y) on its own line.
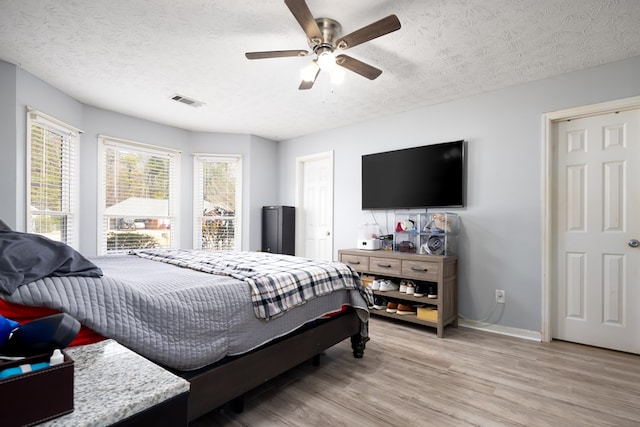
point(440, 270)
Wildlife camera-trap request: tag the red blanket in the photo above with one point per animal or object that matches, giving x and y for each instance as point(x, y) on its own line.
point(24, 314)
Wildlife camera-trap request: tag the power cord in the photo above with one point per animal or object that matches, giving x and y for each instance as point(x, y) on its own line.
point(486, 319)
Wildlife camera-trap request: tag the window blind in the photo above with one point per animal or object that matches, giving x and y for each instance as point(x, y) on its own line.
point(139, 196)
point(52, 187)
point(217, 196)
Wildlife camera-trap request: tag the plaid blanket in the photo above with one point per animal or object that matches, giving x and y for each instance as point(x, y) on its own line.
point(278, 282)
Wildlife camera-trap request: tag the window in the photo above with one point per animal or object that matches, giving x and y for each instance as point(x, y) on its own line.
point(139, 199)
point(52, 178)
point(217, 202)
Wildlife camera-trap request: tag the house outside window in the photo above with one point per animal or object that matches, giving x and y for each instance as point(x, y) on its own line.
point(217, 202)
point(52, 178)
point(139, 200)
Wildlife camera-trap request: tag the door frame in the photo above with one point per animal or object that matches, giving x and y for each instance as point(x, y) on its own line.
point(548, 179)
point(300, 227)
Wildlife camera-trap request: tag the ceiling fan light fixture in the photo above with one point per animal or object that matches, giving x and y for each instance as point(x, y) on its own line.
point(309, 72)
point(326, 60)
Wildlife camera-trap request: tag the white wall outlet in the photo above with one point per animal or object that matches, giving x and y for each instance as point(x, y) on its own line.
point(500, 296)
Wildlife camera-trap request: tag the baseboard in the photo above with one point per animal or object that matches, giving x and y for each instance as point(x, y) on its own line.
point(499, 329)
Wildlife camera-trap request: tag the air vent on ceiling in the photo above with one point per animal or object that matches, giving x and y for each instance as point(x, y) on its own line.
point(187, 101)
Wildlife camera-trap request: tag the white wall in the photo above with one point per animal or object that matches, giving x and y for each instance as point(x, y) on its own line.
point(500, 243)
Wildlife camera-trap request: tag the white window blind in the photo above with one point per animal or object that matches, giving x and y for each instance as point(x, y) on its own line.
point(217, 202)
point(139, 196)
point(52, 178)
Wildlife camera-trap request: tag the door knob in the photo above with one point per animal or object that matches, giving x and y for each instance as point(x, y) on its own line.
point(634, 243)
point(328, 233)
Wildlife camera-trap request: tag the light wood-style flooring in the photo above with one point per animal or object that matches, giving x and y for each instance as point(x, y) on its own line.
point(409, 377)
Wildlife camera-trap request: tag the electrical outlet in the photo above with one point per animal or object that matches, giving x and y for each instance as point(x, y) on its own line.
point(500, 296)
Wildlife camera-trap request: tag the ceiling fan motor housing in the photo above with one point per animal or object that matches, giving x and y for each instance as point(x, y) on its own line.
point(330, 30)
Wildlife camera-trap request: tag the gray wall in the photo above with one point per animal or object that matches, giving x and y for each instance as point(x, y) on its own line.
point(8, 154)
point(500, 244)
point(33, 92)
point(21, 89)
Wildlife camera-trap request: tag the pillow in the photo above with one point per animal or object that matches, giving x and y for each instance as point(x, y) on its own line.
point(27, 257)
point(4, 226)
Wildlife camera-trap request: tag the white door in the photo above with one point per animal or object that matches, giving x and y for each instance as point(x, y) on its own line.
point(314, 217)
point(597, 222)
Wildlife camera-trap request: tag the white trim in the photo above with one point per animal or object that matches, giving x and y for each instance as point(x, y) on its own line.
point(500, 330)
point(547, 196)
point(175, 157)
point(53, 120)
point(300, 161)
point(112, 140)
point(223, 157)
point(72, 135)
point(196, 232)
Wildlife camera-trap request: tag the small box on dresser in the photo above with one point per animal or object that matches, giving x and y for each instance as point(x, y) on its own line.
point(34, 397)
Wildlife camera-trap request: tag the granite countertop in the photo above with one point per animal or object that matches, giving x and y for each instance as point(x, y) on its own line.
point(112, 383)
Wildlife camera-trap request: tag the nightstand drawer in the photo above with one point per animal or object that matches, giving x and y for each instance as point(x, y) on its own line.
point(357, 262)
point(421, 270)
point(387, 266)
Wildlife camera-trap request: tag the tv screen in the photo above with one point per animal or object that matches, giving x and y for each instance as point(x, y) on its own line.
point(419, 177)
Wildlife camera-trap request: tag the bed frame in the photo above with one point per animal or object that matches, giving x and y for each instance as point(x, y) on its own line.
point(219, 384)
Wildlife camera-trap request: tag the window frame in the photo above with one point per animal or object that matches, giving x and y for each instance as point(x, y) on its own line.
point(71, 189)
point(198, 159)
point(105, 141)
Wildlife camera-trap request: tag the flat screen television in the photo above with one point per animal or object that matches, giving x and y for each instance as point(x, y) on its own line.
point(420, 177)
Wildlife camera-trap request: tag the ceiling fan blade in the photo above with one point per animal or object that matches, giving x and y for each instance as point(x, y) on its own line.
point(358, 67)
point(379, 28)
point(310, 74)
point(275, 54)
point(303, 15)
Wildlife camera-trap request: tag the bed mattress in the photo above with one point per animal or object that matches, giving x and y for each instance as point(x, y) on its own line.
point(177, 317)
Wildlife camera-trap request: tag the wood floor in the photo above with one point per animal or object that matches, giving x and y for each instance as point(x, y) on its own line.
point(409, 377)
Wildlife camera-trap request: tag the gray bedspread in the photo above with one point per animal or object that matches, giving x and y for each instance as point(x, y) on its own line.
point(177, 317)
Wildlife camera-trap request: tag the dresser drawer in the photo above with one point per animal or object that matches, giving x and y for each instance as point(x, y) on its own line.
point(357, 262)
point(421, 270)
point(387, 266)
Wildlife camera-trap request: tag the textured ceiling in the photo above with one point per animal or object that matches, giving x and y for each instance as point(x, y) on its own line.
point(131, 56)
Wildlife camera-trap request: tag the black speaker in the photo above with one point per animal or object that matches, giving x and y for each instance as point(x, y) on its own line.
point(278, 230)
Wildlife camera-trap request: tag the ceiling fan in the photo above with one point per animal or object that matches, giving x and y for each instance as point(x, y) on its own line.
point(324, 38)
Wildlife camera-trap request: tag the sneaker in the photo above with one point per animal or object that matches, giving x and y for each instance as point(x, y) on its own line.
point(392, 307)
point(411, 288)
point(432, 292)
point(403, 287)
point(420, 290)
point(406, 309)
point(375, 285)
point(388, 285)
point(379, 303)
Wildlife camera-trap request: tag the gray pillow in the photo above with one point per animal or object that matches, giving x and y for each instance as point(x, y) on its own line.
point(4, 226)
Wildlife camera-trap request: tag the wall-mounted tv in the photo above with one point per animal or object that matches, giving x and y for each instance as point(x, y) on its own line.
point(420, 177)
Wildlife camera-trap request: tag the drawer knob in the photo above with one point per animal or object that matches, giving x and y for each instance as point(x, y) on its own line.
point(354, 262)
point(424, 270)
point(384, 265)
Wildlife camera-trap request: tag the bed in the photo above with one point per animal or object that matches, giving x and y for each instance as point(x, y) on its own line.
point(226, 321)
